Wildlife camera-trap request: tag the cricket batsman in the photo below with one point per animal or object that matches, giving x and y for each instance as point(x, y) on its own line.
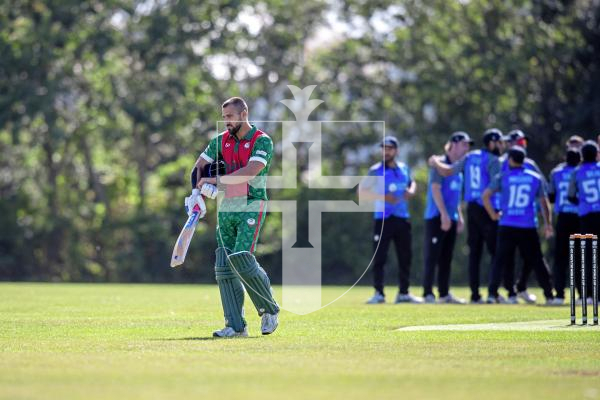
point(244, 153)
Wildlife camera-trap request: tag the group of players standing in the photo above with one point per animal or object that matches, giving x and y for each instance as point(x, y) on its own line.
point(504, 191)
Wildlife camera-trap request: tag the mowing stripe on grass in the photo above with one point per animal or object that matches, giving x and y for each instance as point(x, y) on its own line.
point(548, 325)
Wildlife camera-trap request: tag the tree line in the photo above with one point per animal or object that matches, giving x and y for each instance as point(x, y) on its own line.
point(104, 106)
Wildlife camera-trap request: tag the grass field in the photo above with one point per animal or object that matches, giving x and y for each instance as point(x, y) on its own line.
point(71, 341)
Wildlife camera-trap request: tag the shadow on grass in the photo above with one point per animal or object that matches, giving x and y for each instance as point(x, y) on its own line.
point(203, 338)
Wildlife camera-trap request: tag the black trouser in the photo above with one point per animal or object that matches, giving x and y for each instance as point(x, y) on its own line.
point(395, 230)
point(523, 276)
point(439, 246)
point(527, 241)
point(566, 225)
point(590, 223)
point(481, 229)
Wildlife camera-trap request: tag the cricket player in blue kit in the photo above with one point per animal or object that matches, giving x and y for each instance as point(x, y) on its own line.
point(392, 221)
point(516, 137)
point(443, 218)
point(478, 167)
point(519, 188)
point(584, 190)
point(567, 219)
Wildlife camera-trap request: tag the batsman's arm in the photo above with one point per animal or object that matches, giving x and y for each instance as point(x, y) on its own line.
point(242, 175)
point(210, 155)
point(196, 173)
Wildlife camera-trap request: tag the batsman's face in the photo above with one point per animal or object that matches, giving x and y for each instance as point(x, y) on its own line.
point(233, 119)
point(389, 153)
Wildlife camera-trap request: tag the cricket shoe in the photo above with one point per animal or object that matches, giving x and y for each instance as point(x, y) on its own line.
point(527, 297)
point(429, 299)
point(589, 301)
point(377, 298)
point(229, 332)
point(450, 299)
point(555, 302)
point(408, 298)
point(269, 323)
point(477, 301)
point(512, 300)
point(496, 300)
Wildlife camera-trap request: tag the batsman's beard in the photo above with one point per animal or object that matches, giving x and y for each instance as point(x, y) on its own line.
point(233, 130)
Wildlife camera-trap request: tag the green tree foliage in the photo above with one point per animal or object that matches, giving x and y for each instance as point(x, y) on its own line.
point(104, 106)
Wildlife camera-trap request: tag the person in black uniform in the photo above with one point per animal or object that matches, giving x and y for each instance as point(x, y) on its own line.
point(392, 221)
point(443, 220)
point(520, 188)
point(479, 167)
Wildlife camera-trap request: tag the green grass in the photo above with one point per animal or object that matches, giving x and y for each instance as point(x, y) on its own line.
point(71, 341)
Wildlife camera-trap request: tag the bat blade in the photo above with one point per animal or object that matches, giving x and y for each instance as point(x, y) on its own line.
point(184, 239)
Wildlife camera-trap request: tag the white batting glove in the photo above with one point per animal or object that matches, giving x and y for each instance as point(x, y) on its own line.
point(195, 199)
point(209, 190)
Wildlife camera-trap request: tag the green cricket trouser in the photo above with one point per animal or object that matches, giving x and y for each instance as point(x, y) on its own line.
point(239, 224)
point(238, 228)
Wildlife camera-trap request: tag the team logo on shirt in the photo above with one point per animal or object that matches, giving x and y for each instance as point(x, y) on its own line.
point(247, 145)
point(455, 186)
point(227, 144)
point(393, 187)
point(251, 221)
point(376, 238)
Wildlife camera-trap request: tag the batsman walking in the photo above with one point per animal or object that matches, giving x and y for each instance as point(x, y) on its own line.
point(244, 153)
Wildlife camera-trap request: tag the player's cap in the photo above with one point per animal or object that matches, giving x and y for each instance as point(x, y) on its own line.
point(575, 140)
point(589, 151)
point(517, 137)
point(517, 154)
point(492, 135)
point(461, 136)
point(516, 134)
point(390, 141)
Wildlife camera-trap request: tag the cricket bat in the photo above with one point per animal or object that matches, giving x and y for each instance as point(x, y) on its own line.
point(185, 237)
